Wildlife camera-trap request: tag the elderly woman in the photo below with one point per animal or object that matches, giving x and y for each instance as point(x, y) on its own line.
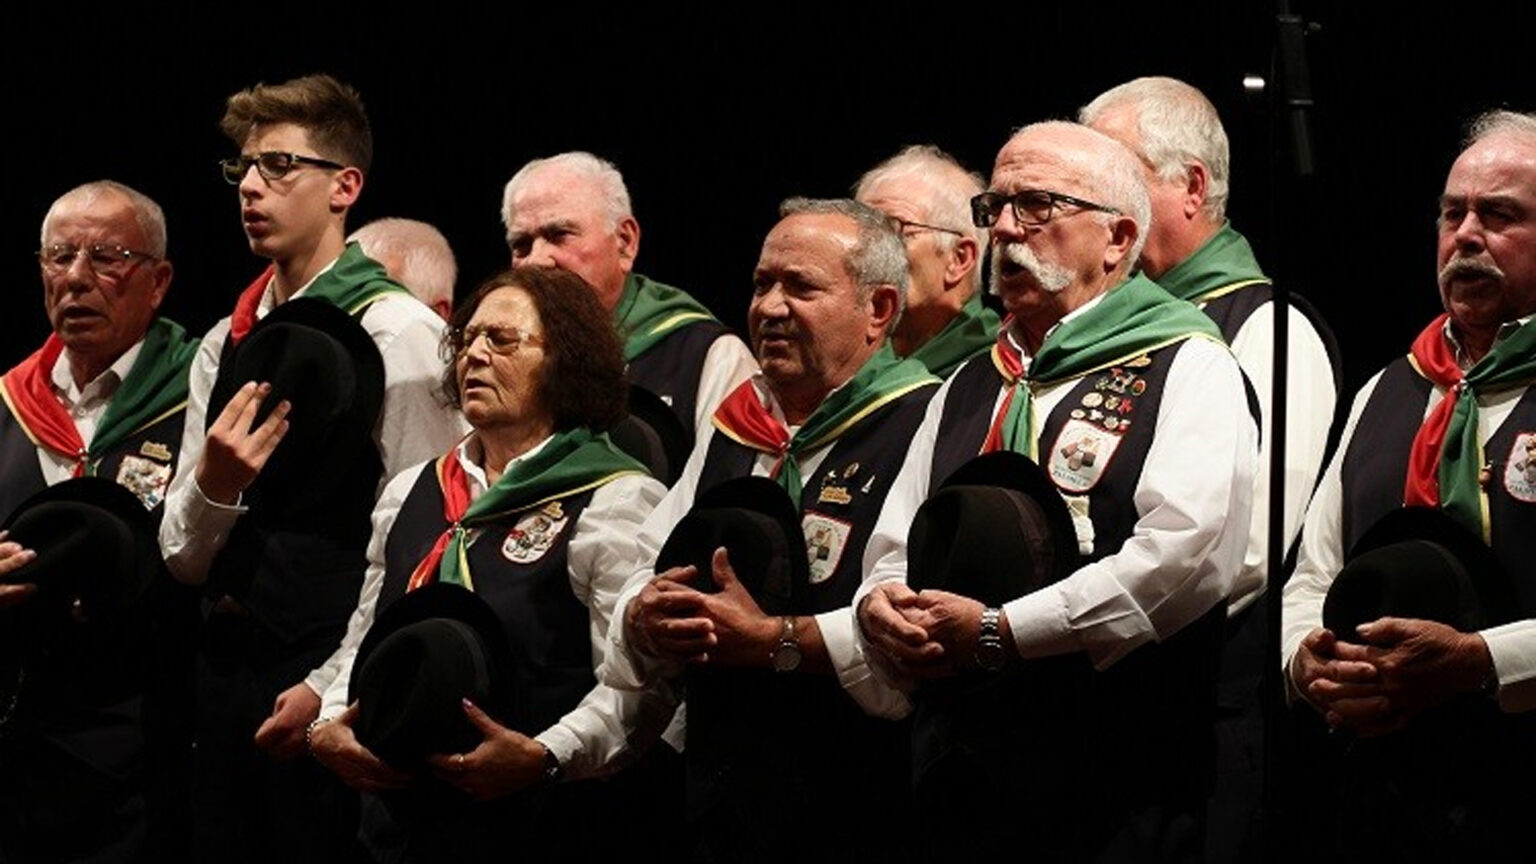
point(537, 512)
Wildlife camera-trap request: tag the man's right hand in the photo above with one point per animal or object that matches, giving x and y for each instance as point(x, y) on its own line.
point(666, 618)
point(1345, 691)
point(335, 746)
point(234, 452)
point(891, 632)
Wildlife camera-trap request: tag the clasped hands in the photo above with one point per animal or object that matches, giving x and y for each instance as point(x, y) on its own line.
point(673, 620)
point(1398, 669)
point(927, 634)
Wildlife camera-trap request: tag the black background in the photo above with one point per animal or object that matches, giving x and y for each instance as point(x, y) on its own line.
point(715, 115)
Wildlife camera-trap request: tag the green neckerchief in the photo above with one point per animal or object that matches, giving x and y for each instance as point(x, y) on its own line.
point(568, 463)
point(1511, 362)
point(966, 335)
point(1221, 265)
point(1134, 318)
point(354, 281)
point(882, 378)
point(155, 386)
point(649, 311)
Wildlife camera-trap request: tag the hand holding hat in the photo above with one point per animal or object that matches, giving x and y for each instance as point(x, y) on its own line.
point(12, 556)
point(334, 745)
point(505, 761)
point(237, 447)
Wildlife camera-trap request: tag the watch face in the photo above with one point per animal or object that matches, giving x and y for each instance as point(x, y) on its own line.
point(786, 657)
point(990, 655)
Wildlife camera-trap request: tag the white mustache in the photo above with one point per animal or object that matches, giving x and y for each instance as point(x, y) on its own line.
point(1457, 268)
point(1051, 278)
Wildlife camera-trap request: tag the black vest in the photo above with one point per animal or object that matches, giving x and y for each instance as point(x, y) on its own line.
point(85, 694)
point(1375, 470)
point(1143, 723)
point(767, 746)
point(547, 627)
point(672, 367)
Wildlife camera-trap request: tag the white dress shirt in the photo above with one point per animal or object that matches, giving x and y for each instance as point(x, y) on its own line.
point(85, 405)
point(1192, 502)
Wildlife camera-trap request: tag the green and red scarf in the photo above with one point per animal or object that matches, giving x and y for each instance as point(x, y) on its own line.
point(154, 387)
point(1446, 459)
point(1132, 319)
point(1221, 265)
point(569, 463)
point(649, 312)
point(351, 284)
point(745, 419)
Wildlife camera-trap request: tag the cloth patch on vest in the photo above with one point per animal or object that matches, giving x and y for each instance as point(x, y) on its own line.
point(825, 539)
point(534, 534)
point(1082, 451)
point(1520, 468)
point(145, 479)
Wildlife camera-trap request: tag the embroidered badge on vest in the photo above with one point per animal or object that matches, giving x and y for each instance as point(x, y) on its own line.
point(825, 539)
point(155, 450)
point(1520, 468)
point(145, 479)
point(534, 534)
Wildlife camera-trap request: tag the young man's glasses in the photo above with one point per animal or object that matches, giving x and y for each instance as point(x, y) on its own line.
point(107, 260)
point(1032, 207)
point(270, 165)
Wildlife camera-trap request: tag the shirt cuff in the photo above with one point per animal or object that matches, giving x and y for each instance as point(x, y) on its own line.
point(1513, 649)
point(873, 695)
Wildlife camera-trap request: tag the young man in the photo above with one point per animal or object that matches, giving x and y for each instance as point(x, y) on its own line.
point(282, 566)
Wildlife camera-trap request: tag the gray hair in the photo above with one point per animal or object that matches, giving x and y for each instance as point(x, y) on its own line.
point(146, 212)
point(1110, 173)
point(602, 173)
point(420, 251)
point(1498, 121)
point(878, 256)
point(949, 186)
point(1177, 125)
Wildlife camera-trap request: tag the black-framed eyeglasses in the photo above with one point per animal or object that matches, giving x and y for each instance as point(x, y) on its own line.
point(906, 227)
point(271, 165)
point(501, 340)
point(1031, 207)
point(110, 260)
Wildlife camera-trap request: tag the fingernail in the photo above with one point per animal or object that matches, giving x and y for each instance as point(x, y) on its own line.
point(468, 704)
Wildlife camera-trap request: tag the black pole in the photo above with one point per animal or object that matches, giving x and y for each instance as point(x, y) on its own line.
point(1290, 131)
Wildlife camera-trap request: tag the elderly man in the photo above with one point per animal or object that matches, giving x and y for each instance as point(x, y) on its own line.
point(572, 211)
point(825, 418)
point(283, 556)
point(104, 396)
point(927, 194)
point(1195, 254)
point(1090, 361)
point(414, 254)
point(1416, 436)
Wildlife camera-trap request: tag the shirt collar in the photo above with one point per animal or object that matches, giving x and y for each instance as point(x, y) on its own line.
point(470, 453)
point(1505, 330)
point(269, 296)
point(102, 386)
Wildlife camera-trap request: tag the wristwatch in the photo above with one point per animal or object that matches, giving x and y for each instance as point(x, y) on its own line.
point(989, 645)
point(786, 655)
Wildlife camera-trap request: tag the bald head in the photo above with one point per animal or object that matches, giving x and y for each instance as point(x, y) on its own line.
point(416, 255)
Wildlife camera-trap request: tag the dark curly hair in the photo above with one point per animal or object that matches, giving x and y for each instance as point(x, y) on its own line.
point(583, 378)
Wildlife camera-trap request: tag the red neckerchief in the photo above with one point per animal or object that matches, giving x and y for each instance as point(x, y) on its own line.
point(741, 415)
point(29, 390)
point(454, 481)
point(1010, 364)
point(1436, 361)
point(244, 317)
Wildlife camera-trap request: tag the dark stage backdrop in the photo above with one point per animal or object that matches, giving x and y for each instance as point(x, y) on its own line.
point(715, 115)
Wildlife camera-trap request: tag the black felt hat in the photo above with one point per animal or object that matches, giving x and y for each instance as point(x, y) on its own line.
point(759, 526)
point(322, 361)
point(424, 654)
point(652, 433)
point(1418, 562)
point(97, 552)
point(994, 530)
